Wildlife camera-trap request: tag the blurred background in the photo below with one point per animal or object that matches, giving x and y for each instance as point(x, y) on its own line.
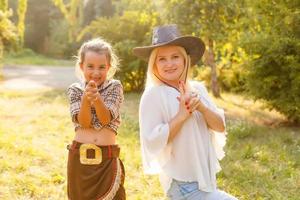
point(251, 67)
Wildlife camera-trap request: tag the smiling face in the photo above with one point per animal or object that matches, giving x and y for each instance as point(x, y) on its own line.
point(169, 64)
point(95, 67)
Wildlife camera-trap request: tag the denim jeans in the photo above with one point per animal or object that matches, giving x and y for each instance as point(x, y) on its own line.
point(180, 190)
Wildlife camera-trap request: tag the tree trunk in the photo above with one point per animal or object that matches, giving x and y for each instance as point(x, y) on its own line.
point(210, 61)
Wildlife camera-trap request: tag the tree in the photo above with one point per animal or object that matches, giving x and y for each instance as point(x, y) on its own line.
point(73, 13)
point(131, 29)
point(22, 7)
point(95, 8)
point(272, 40)
point(8, 31)
point(211, 20)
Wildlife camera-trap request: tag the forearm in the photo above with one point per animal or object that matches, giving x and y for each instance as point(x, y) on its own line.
point(84, 115)
point(174, 126)
point(213, 120)
point(103, 114)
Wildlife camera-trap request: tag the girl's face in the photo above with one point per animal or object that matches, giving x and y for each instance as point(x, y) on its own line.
point(169, 64)
point(95, 67)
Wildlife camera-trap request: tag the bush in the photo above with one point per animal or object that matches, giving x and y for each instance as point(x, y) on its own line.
point(275, 75)
point(8, 32)
point(126, 32)
point(273, 43)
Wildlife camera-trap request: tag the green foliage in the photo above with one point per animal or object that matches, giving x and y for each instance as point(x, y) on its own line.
point(73, 13)
point(8, 32)
point(57, 45)
point(3, 5)
point(22, 7)
point(29, 57)
point(213, 21)
point(273, 42)
point(131, 29)
point(207, 19)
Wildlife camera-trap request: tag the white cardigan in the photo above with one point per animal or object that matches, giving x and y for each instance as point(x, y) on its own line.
point(193, 154)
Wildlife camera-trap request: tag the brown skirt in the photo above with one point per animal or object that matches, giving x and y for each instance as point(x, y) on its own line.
point(103, 181)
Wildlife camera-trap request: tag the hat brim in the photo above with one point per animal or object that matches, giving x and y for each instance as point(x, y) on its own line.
point(194, 47)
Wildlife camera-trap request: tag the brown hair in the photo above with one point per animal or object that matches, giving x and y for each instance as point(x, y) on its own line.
point(100, 46)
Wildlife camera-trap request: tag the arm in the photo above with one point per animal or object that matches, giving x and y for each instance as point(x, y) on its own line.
point(103, 114)
point(84, 116)
point(212, 118)
point(107, 109)
point(79, 106)
point(176, 123)
point(92, 98)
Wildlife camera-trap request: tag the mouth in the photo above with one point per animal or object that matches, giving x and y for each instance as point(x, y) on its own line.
point(96, 79)
point(170, 70)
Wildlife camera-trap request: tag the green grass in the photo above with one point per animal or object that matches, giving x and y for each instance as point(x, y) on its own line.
point(262, 162)
point(28, 57)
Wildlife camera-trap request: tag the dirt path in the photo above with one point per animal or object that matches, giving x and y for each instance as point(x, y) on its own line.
point(37, 77)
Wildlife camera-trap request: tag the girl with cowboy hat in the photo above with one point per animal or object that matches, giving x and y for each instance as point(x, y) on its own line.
point(182, 132)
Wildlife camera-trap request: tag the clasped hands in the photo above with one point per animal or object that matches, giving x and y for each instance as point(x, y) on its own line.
point(91, 92)
point(189, 101)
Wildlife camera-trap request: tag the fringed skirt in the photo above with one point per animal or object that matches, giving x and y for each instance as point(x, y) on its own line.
point(95, 172)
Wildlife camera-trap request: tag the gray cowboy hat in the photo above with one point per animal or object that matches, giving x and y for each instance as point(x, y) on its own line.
point(170, 35)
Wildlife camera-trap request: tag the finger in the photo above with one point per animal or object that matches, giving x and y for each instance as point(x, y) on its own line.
point(186, 94)
point(95, 96)
point(92, 83)
point(192, 102)
point(183, 86)
point(89, 98)
point(88, 88)
point(195, 106)
point(90, 95)
point(93, 100)
point(87, 93)
point(181, 90)
point(94, 90)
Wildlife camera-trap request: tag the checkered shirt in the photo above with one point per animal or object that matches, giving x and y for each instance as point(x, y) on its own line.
point(111, 92)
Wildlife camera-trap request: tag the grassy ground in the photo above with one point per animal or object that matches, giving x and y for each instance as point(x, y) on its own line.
point(28, 57)
point(262, 159)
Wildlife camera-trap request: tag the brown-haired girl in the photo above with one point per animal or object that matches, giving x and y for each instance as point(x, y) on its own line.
point(94, 168)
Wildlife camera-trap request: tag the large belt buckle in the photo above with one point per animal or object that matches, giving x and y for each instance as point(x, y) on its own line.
point(90, 161)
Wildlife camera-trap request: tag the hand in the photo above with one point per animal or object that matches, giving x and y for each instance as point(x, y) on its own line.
point(196, 104)
point(91, 92)
point(192, 100)
point(183, 102)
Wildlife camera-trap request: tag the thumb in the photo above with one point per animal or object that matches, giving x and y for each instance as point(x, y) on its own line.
point(181, 90)
point(92, 83)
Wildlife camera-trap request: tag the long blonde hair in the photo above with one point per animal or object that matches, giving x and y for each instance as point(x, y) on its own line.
point(152, 74)
point(100, 46)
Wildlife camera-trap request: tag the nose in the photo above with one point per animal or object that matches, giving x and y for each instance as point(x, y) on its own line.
point(169, 63)
point(96, 72)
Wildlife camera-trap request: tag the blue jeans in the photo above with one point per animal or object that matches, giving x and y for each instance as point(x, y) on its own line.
point(180, 190)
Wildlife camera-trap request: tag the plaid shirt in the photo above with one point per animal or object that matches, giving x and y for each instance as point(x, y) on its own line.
point(111, 92)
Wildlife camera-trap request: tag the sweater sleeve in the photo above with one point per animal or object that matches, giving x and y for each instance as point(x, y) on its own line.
point(154, 132)
point(218, 138)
